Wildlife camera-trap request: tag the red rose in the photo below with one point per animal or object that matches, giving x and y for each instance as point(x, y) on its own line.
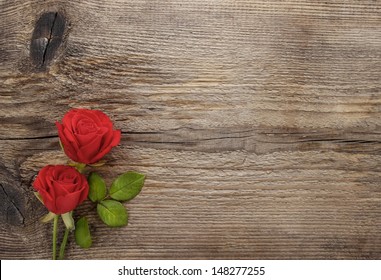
point(87, 135)
point(61, 187)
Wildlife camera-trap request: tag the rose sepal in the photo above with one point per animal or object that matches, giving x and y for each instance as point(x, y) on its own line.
point(61, 145)
point(39, 197)
point(68, 220)
point(77, 165)
point(99, 163)
point(48, 217)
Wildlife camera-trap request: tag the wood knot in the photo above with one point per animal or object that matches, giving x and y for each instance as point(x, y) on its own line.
point(46, 39)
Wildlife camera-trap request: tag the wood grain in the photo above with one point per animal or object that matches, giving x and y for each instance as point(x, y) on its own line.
point(257, 124)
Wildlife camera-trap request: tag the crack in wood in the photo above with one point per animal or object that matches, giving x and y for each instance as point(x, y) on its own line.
point(49, 39)
point(29, 138)
point(12, 206)
point(46, 39)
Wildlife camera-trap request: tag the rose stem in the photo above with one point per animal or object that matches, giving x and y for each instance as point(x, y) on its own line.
point(55, 225)
point(63, 245)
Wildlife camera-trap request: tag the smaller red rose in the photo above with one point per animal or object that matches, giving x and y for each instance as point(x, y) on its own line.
point(62, 188)
point(87, 135)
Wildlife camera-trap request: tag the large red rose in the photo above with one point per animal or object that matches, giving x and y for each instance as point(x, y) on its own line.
point(62, 188)
point(87, 135)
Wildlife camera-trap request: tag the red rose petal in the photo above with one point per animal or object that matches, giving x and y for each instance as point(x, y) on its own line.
point(84, 139)
point(89, 151)
point(61, 187)
point(87, 135)
point(67, 203)
point(116, 138)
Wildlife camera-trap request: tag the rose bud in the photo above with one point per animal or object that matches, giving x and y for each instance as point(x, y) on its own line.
point(62, 188)
point(87, 135)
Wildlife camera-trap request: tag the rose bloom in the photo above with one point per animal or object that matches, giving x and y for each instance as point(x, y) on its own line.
point(61, 187)
point(87, 135)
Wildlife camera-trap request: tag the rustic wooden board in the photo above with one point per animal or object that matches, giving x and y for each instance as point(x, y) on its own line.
point(257, 123)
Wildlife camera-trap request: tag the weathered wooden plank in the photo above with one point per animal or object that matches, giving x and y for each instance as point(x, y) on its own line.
point(256, 122)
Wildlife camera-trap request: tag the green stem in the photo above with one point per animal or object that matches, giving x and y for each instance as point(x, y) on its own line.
point(63, 245)
point(55, 225)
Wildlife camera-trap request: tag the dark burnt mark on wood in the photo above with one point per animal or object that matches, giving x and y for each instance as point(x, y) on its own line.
point(46, 39)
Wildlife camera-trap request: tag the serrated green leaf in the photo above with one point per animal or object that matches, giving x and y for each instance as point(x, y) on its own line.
point(82, 233)
point(97, 186)
point(127, 186)
point(112, 213)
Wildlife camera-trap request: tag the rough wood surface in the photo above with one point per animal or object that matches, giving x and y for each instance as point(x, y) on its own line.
point(257, 123)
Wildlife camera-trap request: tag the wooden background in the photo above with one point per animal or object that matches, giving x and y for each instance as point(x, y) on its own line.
point(257, 123)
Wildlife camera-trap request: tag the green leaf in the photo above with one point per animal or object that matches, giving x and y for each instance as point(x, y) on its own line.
point(112, 213)
point(127, 186)
point(82, 233)
point(97, 185)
